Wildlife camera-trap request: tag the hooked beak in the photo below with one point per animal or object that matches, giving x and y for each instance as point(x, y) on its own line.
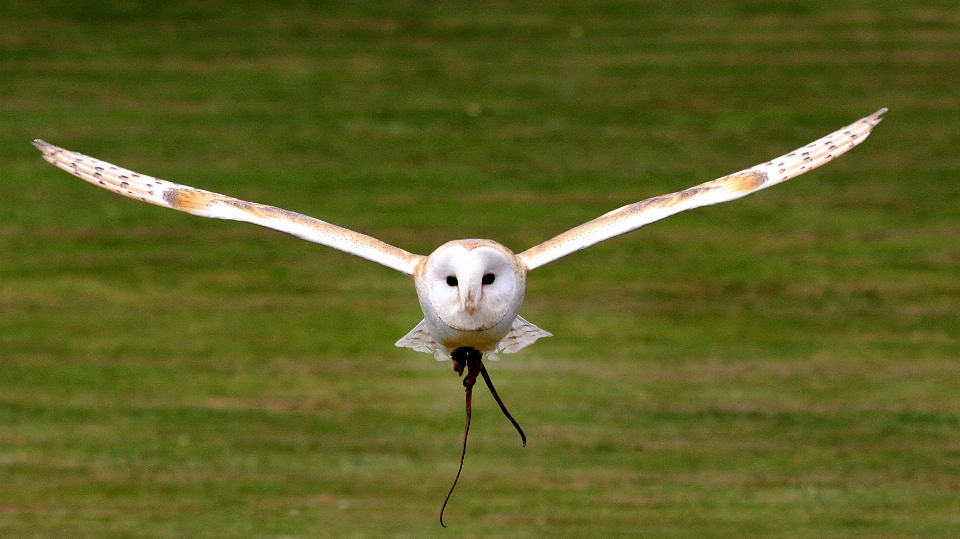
point(469, 296)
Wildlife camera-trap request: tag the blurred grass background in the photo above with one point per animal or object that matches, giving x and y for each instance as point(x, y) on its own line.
point(781, 366)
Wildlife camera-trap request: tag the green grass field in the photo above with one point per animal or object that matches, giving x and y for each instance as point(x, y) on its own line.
point(783, 366)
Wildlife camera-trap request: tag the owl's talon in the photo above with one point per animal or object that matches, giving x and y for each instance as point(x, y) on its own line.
point(469, 358)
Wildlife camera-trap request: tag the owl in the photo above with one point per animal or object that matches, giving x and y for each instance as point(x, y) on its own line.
point(470, 291)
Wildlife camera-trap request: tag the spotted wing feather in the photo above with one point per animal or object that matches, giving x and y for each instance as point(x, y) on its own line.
point(731, 187)
point(521, 335)
point(419, 339)
point(208, 204)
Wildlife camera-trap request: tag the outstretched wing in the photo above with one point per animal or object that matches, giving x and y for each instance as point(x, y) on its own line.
point(207, 204)
point(736, 185)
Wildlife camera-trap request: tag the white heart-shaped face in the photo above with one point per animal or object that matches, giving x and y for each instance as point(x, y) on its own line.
point(472, 285)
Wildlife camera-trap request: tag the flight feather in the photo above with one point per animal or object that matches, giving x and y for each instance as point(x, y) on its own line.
point(730, 187)
point(207, 204)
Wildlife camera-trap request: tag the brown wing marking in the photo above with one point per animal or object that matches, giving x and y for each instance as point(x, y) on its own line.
point(190, 199)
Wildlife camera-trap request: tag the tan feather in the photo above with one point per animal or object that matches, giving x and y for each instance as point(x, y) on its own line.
point(207, 204)
point(730, 187)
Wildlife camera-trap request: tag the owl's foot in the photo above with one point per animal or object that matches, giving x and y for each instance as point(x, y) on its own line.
point(469, 358)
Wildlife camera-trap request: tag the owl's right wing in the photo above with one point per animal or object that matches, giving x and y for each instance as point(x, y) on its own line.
point(207, 204)
point(730, 187)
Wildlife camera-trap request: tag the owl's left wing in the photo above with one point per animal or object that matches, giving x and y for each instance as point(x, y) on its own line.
point(731, 187)
point(206, 204)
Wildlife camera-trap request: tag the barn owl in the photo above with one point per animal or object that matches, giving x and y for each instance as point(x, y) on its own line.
point(470, 291)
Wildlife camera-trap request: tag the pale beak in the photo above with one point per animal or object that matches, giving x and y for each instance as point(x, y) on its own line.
point(469, 296)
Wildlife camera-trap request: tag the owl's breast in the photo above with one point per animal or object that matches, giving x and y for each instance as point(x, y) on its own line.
point(482, 335)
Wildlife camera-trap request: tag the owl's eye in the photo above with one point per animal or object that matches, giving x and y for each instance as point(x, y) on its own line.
point(488, 278)
point(452, 281)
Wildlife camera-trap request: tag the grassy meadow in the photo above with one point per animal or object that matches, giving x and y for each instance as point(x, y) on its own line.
point(782, 366)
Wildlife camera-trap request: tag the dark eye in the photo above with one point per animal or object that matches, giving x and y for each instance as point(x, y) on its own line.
point(452, 281)
point(488, 278)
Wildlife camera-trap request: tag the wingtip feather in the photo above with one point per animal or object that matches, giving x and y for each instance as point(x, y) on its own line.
point(877, 117)
point(48, 150)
